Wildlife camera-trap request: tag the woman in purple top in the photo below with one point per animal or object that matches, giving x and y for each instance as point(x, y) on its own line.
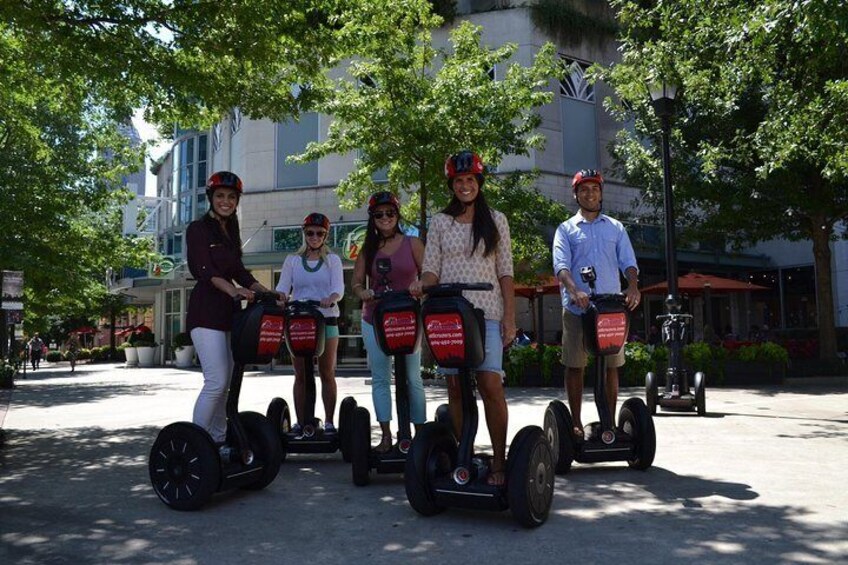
point(385, 240)
point(214, 259)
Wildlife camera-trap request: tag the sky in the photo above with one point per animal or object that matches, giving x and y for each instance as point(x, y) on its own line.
point(148, 133)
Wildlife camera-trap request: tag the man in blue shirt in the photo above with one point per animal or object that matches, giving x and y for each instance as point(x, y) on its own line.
point(590, 238)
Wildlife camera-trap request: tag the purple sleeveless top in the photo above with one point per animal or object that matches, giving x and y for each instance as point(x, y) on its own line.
point(404, 272)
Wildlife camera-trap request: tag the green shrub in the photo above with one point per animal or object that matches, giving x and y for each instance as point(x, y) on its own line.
point(143, 339)
point(7, 374)
point(551, 355)
point(182, 339)
point(519, 358)
point(659, 356)
point(771, 352)
point(83, 354)
point(54, 356)
point(699, 356)
point(638, 362)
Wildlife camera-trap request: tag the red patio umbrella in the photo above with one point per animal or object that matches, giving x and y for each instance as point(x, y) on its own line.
point(84, 330)
point(696, 283)
point(548, 285)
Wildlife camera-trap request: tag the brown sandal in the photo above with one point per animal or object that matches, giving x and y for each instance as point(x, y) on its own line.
point(384, 446)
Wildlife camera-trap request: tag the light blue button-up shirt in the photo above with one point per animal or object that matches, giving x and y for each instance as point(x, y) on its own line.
point(602, 243)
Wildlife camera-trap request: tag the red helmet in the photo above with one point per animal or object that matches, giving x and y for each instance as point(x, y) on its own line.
point(317, 219)
point(463, 163)
point(224, 179)
point(380, 198)
point(586, 175)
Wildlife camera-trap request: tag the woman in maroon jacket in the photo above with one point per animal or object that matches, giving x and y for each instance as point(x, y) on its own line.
point(214, 259)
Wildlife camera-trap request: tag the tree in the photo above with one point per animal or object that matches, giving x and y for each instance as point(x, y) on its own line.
point(406, 105)
point(759, 135)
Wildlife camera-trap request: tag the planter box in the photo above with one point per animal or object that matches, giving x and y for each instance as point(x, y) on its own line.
point(184, 356)
point(749, 374)
point(146, 356)
point(131, 353)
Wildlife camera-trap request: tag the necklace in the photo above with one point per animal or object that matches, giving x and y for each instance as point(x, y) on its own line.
point(306, 266)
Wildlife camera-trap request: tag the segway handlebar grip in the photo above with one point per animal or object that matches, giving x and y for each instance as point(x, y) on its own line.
point(455, 289)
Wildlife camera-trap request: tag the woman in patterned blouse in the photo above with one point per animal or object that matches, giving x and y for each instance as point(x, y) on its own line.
point(468, 242)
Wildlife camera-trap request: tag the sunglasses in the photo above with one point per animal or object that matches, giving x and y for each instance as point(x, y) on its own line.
point(310, 233)
point(387, 213)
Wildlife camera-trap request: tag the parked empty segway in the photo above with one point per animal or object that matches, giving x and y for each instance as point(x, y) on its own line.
point(186, 466)
point(605, 326)
point(305, 338)
point(441, 472)
point(677, 395)
point(398, 330)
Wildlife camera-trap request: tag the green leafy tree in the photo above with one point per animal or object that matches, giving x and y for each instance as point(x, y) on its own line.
point(405, 105)
point(758, 140)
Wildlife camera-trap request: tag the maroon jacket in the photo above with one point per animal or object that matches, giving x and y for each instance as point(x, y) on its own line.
point(212, 254)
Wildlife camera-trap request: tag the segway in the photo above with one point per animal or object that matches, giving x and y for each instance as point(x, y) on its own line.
point(396, 324)
point(305, 338)
point(186, 466)
point(677, 394)
point(605, 326)
point(441, 472)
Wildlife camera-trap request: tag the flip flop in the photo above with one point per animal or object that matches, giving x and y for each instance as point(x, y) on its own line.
point(577, 432)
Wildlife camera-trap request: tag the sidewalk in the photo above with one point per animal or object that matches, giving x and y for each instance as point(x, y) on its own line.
point(759, 480)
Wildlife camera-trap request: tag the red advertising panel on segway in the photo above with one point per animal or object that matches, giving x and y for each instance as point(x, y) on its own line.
point(305, 332)
point(397, 325)
point(257, 334)
point(605, 325)
point(456, 333)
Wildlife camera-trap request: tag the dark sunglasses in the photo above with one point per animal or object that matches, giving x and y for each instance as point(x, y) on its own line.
point(310, 233)
point(388, 213)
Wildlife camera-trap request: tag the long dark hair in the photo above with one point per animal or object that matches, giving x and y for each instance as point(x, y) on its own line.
point(373, 239)
point(233, 234)
point(482, 225)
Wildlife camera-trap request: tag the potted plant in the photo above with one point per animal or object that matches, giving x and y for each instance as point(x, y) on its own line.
point(130, 351)
point(7, 375)
point(145, 344)
point(183, 350)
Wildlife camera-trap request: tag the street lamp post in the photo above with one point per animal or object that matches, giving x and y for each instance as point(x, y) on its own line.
point(662, 98)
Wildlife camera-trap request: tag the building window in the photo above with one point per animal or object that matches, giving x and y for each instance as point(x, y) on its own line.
point(235, 120)
point(173, 316)
point(290, 239)
point(579, 126)
point(292, 138)
point(217, 132)
point(202, 157)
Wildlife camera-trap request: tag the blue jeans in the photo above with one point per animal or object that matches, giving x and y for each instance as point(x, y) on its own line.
point(381, 375)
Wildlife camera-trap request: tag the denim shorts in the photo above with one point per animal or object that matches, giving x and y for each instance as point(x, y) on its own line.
point(493, 361)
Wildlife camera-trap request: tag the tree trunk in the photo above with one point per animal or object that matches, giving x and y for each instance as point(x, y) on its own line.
point(821, 230)
point(422, 199)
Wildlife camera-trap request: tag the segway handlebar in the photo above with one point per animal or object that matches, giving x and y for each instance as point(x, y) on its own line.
point(455, 289)
point(315, 303)
point(390, 294)
point(260, 297)
point(611, 297)
point(675, 316)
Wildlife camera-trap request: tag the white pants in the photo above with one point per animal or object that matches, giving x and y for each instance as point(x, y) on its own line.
point(216, 360)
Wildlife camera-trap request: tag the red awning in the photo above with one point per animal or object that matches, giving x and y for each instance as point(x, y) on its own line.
point(82, 330)
point(696, 283)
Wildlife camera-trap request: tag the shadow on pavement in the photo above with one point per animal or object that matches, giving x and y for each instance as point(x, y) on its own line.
point(83, 495)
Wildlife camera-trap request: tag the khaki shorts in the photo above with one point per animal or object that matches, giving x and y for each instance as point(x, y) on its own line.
point(574, 352)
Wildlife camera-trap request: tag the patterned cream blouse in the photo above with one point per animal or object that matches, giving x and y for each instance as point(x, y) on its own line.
point(447, 255)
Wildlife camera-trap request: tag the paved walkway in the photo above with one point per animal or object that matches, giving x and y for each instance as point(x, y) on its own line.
point(762, 479)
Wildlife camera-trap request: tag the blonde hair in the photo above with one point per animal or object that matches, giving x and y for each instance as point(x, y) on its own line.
point(323, 251)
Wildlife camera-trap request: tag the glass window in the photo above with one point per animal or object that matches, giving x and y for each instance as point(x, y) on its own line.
point(579, 127)
point(178, 244)
point(287, 239)
point(292, 138)
point(189, 148)
point(202, 204)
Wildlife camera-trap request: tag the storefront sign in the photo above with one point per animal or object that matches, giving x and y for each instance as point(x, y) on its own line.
point(353, 244)
point(162, 268)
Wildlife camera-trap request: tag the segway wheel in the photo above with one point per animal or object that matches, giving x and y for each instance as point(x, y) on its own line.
point(346, 409)
point(636, 421)
point(280, 417)
point(265, 444)
point(431, 456)
point(530, 477)
point(360, 446)
point(443, 415)
point(558, 426)
point(651, 393)
point(184, 466)
point(701, 393)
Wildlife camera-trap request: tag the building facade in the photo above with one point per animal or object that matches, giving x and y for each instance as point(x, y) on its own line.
point(279, 194)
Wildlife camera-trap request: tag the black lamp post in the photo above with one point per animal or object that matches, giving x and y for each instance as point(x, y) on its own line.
point(662, 98)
